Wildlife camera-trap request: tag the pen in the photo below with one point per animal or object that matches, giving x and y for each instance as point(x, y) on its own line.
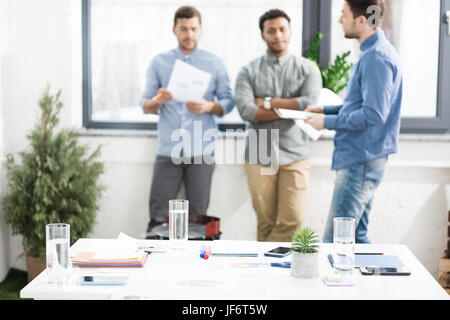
point(202, 252)
point(330, 258)
point(208, 252)
point(369, 254)
point(105, 278)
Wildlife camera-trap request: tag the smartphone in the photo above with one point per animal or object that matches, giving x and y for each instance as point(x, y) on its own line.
point(279, 252)
point(384, 271)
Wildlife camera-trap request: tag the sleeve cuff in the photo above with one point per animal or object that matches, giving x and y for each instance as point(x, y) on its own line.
point(227, 105)
point(331, 109)
point(331, 122)
point(301, 104)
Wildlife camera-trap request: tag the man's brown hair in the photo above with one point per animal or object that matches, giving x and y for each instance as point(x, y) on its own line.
point(272, 14)
point(187, 12)
point(362, 7)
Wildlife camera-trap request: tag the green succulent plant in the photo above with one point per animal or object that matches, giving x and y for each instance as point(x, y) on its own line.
point(305, 240)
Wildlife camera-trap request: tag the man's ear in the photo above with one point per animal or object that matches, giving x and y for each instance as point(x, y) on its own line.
point(362, 20)
point(262, 36)
point(173, 29)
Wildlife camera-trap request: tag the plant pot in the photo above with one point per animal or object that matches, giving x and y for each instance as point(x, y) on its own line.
point(35, 265)
point(305, 265)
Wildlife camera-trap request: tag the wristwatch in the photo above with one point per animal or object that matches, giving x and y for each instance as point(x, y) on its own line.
point(267, 103)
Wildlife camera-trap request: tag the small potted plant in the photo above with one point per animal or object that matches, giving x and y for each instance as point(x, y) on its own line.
point(305, 256)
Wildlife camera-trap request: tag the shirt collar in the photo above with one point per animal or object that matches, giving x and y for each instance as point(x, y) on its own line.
point(182, 56)
point(372, 40)
point(278, 60)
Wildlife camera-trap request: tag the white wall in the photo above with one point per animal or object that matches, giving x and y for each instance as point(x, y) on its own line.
point(4, 231)
point(44, 47)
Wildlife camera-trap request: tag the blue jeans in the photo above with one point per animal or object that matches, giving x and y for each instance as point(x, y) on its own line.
point(353, 195)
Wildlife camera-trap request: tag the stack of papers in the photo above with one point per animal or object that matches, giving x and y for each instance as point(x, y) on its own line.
point(110, 258)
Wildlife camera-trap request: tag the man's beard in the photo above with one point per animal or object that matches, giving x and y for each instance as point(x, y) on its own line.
point(350, 35)
point(276, 51)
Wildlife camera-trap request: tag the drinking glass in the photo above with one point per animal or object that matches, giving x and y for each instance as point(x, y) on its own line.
point(344, 245)
point(57, 252)
point(178, 223)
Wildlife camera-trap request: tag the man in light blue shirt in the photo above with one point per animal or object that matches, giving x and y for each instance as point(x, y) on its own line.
point(186, 131)
point(367, 125)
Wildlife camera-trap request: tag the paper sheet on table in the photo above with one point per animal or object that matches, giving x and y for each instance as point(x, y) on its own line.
point(299, 117)
point(187, 83)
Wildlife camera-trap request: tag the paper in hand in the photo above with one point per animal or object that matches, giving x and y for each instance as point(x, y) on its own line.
point(299, 117)
point(188, 83)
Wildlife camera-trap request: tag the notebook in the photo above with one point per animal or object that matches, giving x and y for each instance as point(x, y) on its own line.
point(378, 261)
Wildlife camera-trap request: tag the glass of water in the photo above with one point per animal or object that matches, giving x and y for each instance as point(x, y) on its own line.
point(178, 223)
point(57, 252)
point(344, 245)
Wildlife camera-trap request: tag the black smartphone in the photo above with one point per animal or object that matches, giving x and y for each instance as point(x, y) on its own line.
point(279, 252)
point(384, 271)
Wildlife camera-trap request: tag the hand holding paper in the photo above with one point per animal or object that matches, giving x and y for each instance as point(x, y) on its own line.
point(163, 96)
point(199, 107)
point(300, 117)
point(316, 121)
point(188, 83)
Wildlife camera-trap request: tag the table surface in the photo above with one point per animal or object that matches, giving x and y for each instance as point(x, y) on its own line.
point(182, 274)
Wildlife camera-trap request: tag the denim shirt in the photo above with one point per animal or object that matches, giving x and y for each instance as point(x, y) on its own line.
point(368, 123)
point(193, 134)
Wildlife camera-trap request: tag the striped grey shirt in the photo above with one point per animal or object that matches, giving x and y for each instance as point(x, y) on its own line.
point(286, 77)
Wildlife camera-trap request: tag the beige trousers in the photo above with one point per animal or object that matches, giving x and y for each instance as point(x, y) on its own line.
point(279, 199)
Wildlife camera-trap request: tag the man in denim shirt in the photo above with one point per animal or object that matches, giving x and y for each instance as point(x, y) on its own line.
point(194, 123)
point(368, 123)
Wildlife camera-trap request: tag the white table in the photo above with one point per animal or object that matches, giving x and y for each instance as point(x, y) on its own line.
point(184, 275)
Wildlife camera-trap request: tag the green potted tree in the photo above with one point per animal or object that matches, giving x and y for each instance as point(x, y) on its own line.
point(305, 254)
point(337, 74)
point(57, 181)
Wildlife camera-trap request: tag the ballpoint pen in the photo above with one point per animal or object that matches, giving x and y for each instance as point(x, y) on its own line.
point(284, 265)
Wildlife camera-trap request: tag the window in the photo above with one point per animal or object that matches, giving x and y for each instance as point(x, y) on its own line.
point(417, 31)
point(122, 36)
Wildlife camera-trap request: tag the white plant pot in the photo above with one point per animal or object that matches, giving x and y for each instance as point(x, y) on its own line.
point(305, 265)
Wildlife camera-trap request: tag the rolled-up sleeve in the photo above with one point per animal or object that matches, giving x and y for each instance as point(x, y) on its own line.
point(224, 92)
point(152, 84)
point(310, 92)
point(244, 96)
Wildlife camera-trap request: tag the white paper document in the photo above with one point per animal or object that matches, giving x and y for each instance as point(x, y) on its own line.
point(187, 83)
point(293, 114)
point(300, 117)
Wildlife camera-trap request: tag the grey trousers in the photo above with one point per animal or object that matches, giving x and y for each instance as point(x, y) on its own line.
point(166, 183)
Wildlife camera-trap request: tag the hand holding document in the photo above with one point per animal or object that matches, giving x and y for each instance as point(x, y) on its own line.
point(300, 117)
point(187, 83)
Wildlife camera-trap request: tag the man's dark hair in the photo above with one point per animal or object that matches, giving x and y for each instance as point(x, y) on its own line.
point(272, 14)
point(187, 12)
point(360, 7)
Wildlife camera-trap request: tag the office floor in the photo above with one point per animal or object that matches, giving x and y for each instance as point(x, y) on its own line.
point(13, 283)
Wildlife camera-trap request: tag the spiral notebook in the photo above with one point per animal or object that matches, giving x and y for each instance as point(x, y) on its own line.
point(233, 254)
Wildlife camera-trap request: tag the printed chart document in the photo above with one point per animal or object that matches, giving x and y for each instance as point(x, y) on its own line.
point(187, 83)
point(300, 117)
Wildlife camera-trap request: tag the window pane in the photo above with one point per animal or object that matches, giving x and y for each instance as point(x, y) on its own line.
point(127, 34)
point(412, 26)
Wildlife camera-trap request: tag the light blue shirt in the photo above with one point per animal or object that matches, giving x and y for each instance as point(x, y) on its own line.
point(368, 123)
point(198, 132)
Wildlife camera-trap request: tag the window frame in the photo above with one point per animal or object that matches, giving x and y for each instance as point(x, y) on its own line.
point(316, 18)
point(418, 125)
point(88, 122)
